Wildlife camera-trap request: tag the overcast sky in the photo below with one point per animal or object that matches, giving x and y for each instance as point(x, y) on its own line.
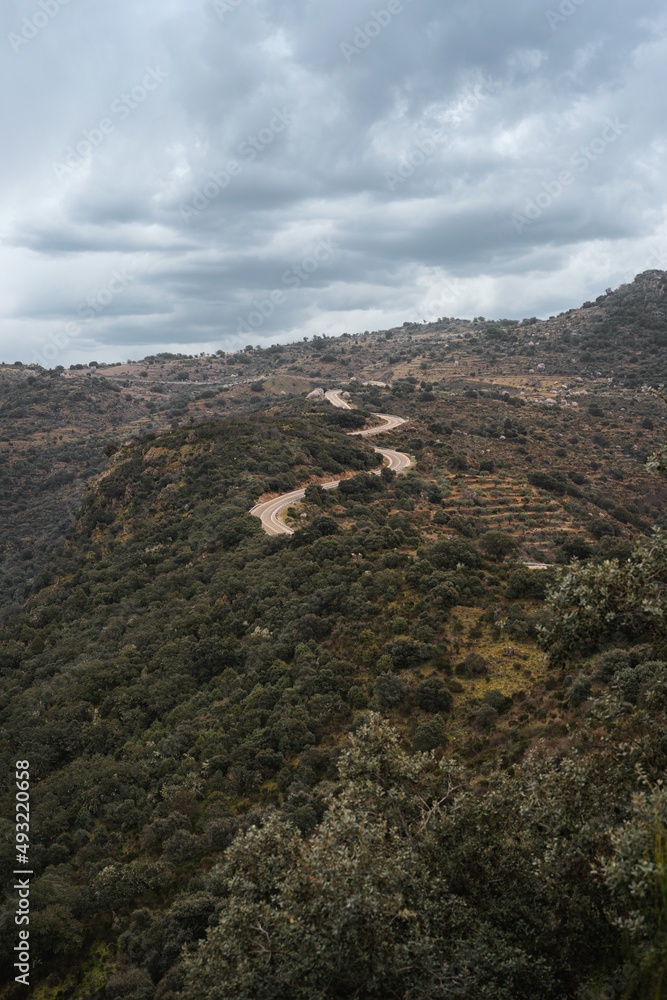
point(189, 175)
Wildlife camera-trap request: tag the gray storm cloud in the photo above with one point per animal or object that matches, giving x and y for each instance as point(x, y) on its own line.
point(200, 175)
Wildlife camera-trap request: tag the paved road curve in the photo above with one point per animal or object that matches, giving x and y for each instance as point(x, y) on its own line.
point(396, 460)
point(390, 423)
point(334, 397)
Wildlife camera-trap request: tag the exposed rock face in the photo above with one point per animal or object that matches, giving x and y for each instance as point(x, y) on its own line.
point(625, 331)
point(647, 293)
point(316, 394)
point(643, 302)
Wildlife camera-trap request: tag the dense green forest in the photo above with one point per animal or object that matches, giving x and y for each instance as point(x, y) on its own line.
point(377, 758)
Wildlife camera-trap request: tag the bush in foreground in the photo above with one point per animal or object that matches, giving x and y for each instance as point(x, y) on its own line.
point(417, 885)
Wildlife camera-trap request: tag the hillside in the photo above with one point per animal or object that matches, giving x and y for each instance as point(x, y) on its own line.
point(55, 426)
point(56, 434)
point(619, 336)
point(198, 700)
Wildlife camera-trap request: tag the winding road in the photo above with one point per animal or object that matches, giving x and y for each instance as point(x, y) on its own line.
point(397, 461)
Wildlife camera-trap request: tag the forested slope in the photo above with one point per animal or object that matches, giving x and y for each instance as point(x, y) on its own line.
point(181, 679)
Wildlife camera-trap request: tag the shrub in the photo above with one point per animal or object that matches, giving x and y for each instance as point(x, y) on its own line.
point(635, 683)
point(474, 665)
point(603, 526)
point(497, 544)
point(327, 905)
point(458, 463)
point(634, 874)
point(445, 596)
point(357, 697)
point(455, 686)
point(524, 582)
point(405, 653)
point(181, 846)
point(591, 602)
point(430, 735)
point(433, 696)
point(389, 689)
point(579, 691)
point(553, 482)
point(130, 984)
point(519, 623)
point(448, 554)
point(485, 717)
point(496, 699)
point(610, 547)
point(314, 494)
point(118, 885)
point(11, 655)
point(574, 548)
point(352, 419)
point(325, 525)
point(611, 662)
point(399, 625)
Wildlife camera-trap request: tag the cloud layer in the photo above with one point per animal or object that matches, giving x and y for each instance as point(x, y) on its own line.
point(196, 175)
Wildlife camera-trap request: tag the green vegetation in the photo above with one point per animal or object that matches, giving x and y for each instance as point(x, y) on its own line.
point(379, 757)
point(415, 883)
point(612, 600)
